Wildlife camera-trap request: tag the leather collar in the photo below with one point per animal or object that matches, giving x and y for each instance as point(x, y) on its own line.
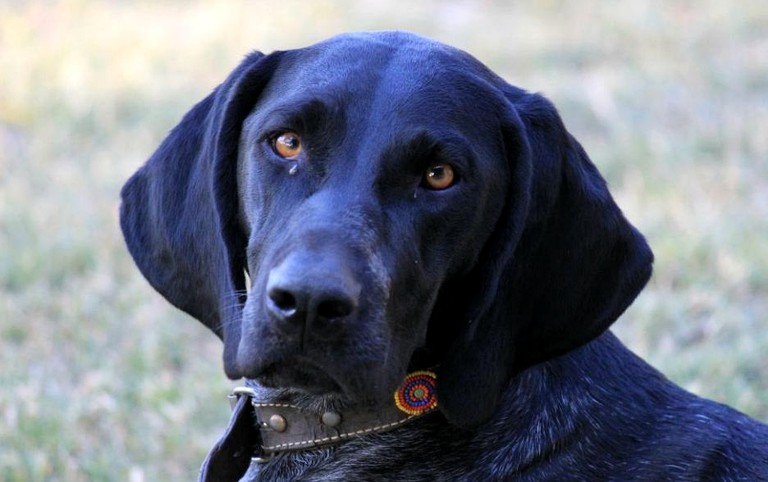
point(288, 428)
point(285, 427)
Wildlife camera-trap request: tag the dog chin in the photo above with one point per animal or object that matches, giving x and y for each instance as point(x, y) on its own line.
point(308, 386)
point(298, 377)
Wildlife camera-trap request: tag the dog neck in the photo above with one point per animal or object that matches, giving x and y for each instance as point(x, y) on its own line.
point(305, 423)
point(284, 427)
point(266, 422)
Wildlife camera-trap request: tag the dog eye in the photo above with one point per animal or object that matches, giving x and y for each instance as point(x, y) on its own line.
point(287, 145)
point(439, 177)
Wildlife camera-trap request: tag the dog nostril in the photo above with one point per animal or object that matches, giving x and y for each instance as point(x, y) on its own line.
point(333, 309)
point(284, 301)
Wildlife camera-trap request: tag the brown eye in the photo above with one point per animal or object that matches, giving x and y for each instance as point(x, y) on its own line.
point(287, 145)
point(439, 177)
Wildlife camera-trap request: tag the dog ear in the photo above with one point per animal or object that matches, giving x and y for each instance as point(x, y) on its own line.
point(562, 264)
point(179, 210)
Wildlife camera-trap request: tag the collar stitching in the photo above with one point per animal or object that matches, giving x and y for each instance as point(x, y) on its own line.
point(341, 436)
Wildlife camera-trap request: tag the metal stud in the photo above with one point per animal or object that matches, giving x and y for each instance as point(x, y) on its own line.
point(331, 419)
point(278, 423)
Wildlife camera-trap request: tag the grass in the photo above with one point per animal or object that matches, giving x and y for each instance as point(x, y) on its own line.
point(102, 380)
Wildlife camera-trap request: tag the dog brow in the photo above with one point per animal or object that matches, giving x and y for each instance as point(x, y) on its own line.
point(304, 114)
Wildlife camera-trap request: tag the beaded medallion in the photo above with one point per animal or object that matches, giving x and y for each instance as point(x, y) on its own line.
point(418, 393)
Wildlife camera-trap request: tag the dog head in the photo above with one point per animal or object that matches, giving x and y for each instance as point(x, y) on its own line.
point(396, 205)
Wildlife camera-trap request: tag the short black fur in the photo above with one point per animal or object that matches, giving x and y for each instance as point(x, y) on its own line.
point(506, 282)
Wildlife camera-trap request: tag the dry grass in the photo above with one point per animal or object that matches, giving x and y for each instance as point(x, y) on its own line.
point(102, 380)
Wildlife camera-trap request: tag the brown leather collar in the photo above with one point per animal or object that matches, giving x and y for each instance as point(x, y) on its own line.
point(288, 428)
point(284, 427)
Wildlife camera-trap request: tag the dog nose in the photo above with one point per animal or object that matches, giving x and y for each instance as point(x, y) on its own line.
point(294, 303)
point(311, 291)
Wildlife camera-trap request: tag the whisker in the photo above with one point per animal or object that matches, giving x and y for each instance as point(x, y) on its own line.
point(232, 303)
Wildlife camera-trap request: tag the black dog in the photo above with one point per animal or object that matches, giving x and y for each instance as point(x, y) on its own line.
point(401, 210)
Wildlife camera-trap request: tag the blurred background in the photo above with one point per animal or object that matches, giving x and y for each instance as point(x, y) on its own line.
point(100, 379)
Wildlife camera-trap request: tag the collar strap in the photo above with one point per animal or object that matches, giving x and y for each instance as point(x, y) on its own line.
point(231, 455)
point(284, 427)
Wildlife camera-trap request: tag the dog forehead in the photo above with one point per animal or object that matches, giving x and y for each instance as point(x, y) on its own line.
point(386, 80)
point(391, 64)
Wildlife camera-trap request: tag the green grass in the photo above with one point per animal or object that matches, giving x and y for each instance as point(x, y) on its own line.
point(100, 379)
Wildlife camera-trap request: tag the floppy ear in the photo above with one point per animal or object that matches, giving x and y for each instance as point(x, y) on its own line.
point(560, 267)
point(179, 210)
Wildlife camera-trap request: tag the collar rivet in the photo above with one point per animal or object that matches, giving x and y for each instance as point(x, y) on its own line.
point(330, 419)
point(278, 423)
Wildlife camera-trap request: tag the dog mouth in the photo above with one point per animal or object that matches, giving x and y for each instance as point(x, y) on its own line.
point(298, 375)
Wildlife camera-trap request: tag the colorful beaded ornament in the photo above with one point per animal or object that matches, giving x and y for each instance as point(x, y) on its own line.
point(418, 393)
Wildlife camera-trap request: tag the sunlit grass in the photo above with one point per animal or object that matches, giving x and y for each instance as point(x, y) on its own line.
point(103, 380)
